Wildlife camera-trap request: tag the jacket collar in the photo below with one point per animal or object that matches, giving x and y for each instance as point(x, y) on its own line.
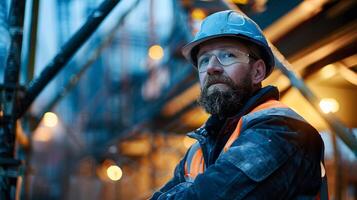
point(259, 97)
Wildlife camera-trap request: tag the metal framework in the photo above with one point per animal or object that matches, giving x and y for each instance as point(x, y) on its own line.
point(92, 58)
point(9, 92)
point(12, 107)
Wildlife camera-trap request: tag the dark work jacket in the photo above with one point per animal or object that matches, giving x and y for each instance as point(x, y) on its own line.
point(276, 156)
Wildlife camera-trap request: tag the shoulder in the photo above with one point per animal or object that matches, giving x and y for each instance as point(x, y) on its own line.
point(282, 113)
point(272, 138)
point(287, 127)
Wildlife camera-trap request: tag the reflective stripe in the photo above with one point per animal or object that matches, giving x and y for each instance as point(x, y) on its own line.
point(194, 162)
point(266, 105)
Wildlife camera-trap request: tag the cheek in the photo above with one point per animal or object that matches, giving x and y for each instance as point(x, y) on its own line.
point(238, 74)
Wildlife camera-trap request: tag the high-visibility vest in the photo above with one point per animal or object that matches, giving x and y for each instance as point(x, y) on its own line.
point(195, 163)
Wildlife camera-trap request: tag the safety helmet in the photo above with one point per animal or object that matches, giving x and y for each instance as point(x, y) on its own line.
point(230, 23)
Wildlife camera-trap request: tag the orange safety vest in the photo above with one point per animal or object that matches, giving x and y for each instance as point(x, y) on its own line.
point(195, 163)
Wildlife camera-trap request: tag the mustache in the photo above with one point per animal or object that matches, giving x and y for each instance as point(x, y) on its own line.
point(214, 79)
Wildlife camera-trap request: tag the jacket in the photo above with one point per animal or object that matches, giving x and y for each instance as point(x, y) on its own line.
point(276, 156)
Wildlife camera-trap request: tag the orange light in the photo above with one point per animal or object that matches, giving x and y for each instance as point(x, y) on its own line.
point(156, 52)
point(198, 14)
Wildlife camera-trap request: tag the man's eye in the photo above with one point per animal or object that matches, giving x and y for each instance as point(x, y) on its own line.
point(203, 61)
point(228, 55)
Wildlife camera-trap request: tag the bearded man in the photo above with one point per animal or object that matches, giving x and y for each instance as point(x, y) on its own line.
point(252, 146)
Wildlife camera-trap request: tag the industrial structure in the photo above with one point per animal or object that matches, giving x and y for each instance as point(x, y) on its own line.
point(96, 97)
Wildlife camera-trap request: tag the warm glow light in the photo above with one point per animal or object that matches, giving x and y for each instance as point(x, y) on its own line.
point(50, 119)
point(198, 14)
point(156, 52)
point(187, 141)
point(114, 172)
point(328, 71)
point(329, 105)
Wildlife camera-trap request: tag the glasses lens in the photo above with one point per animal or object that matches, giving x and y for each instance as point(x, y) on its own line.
point(203, 62)
point(224, 57)
point(233, 56)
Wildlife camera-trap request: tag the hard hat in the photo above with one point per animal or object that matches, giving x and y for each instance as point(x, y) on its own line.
point(230, 23)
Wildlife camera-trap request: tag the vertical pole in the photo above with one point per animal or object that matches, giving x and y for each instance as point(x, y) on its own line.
point(8, 164)
point(33, 40)
point(4, 35)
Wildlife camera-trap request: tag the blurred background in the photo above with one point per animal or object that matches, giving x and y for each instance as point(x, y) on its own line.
point(112, 124)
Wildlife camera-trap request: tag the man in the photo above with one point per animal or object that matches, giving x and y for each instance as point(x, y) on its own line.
point(252, 146)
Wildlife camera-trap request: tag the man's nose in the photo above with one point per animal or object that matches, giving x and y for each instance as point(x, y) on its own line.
point(214, 66)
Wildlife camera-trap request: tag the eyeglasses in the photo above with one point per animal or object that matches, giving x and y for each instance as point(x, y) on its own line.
point(225, 57)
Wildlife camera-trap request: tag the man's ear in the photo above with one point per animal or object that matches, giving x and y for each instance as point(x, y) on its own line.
point(258, 71)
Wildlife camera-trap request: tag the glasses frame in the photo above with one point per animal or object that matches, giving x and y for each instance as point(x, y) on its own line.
point(249, 55)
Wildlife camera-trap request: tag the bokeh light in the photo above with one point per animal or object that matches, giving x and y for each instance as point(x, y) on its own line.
point(114, 173)
point(50, 119)
point(328, 105)
point(156, 52)
point(198, 14)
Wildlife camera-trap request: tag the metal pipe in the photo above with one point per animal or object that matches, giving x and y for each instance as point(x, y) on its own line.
point(65, 54)
point(33, 40)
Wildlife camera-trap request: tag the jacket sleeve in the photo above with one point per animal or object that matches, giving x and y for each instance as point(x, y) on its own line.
point(269, 160)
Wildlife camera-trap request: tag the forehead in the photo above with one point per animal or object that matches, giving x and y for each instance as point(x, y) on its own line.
point(221, 43)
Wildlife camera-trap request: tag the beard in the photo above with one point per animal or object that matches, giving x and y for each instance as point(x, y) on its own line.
point(228, 102)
